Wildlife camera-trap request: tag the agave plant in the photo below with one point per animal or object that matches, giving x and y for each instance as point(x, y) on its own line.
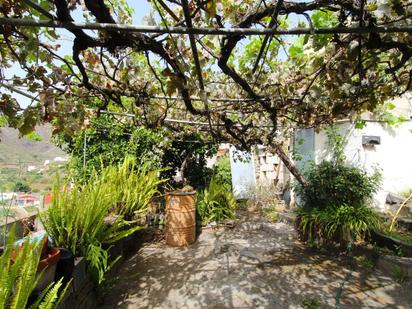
point(19, 277)
point(215, 203)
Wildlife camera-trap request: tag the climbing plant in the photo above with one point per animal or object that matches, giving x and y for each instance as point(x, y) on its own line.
point(350, 56)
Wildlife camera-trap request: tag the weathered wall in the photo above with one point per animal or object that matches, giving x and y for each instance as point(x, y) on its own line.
point(393, 156)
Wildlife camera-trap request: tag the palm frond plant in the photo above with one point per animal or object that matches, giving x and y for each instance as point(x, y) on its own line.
point(215, 203)
point(19, 277)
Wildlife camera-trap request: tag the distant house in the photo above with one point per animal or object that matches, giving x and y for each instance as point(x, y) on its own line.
point(6, 196)
point(25, 199)
point(47, 199)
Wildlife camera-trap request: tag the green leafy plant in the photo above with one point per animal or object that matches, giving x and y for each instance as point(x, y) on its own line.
point(270, 212)
point(19, 277)
point(107, 141)
point(215, 203)
point(93, 214)
point(132, 186)
point(400, 275)
point(331, 184)
point(339, 224)
point(222, 172)
point(364, 262)
point(406, 193)
point(334, 202)
point(311, 303)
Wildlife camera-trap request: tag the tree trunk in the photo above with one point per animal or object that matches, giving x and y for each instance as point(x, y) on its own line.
point(289, 165)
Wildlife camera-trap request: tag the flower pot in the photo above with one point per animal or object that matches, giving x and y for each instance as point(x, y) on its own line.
point(47, 264)
point(64, 268)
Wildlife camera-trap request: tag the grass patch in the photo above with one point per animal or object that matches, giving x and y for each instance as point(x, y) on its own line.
point(399, 235)
point(270, 213)
point(400, 275)
point(311, 303)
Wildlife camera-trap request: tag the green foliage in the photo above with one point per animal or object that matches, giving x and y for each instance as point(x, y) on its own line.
point(341, 223)
point(79, 219)
point(270, 213)
point(133, 187)
point(311, 303)
point(19, 277)
point(323, 19)
point(400, 235)
point(400, 275)
point(215, 203)
point(364, 262)
point(21, 186)
point(33, 136)
point(334, 183)
point(108, 142)
point(190, 154)
point(406, 193)
point(334, 202)
point(386, 113)
point(222, 172)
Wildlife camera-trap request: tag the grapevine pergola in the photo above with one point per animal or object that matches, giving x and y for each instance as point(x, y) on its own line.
point(351, 56)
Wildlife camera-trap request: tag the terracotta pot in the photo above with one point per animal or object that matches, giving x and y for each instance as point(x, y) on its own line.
point(52, 257)
point(48, 262)
point(48, 266)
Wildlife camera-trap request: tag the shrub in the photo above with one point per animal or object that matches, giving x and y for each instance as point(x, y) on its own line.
point(132, 187)
point(222, 172)
point(334, 201)
point(332, 184)
point(215, 203)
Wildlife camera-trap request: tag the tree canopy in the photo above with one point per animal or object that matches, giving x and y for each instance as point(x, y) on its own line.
point(244, 89)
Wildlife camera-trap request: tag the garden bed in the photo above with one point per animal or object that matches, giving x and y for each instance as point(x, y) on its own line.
point(388, 241)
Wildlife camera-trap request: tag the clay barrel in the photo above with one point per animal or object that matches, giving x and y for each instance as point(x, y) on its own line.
point(180, 218)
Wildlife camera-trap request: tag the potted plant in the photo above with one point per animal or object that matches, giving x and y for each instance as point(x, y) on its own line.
point(65, 266)
point(47, 263)
point(20, 276)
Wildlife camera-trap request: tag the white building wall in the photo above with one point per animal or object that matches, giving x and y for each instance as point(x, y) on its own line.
point(393, 156)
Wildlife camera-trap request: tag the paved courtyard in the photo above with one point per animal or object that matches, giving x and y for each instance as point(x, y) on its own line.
point(256, 264)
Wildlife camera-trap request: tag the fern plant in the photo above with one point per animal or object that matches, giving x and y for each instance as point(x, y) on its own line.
point(19, 277)
point(215, 203)
point(98, 212)
point(132, 186)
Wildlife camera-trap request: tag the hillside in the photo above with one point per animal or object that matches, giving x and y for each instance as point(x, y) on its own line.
point(19, 155)
point(13, 148)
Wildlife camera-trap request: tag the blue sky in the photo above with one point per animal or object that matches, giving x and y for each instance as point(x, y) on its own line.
point(141, 9)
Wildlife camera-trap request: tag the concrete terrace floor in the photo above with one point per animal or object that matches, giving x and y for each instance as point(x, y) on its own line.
point(256, 264)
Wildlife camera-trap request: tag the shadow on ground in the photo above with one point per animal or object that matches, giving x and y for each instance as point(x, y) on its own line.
point(254, 265)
